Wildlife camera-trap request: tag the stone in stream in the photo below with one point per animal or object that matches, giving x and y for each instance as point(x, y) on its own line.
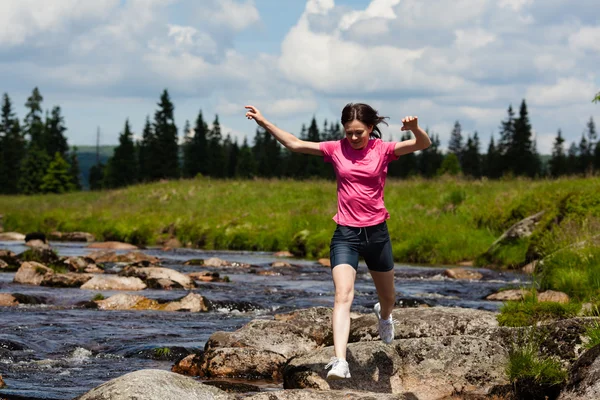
point(8, 300)
point(152, 384)
point(112, 246)
point(111, 282)
point(2, 384)
point(12, 236)
point(462, 273)
point(103, 256)
point(9, 261)
point(584, 377)
point(192, 303)
point(160, 278)
point(508, 295)
point(32, 273)
point(342, 394)
point(71, 236)
point(81, 264)
point(44, 256)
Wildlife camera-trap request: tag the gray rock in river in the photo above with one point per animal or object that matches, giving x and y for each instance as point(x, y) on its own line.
point(152, 384)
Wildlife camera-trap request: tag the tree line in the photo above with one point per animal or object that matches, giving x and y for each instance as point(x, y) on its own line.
point(35, 156)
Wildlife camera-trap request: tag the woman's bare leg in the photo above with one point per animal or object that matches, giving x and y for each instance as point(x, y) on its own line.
point(384, 283)
point(343, 280)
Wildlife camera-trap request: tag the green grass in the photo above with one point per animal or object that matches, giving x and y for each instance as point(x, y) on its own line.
point(98, 296)
point(525, 363)
point(441, 221)
point(529, 311)
point(592, 333)
point(162, 351)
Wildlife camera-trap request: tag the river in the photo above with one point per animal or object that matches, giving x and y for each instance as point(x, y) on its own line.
point(60, 350)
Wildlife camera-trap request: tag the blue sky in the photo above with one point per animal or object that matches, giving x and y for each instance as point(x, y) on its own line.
point(104, 61)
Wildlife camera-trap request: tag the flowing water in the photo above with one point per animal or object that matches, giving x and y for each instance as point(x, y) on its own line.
point(60, 350)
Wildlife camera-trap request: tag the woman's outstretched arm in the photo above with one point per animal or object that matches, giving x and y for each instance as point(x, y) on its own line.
point(290, 141)
point(420, 142)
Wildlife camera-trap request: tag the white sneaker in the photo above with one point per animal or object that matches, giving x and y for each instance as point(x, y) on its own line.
point(386, 326)
point(339, 369)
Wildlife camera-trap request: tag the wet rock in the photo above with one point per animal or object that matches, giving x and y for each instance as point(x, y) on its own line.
point(160, 278)
point(508, 295)
point(428, 368)
point(44, 256)
point(408, 302)
point(127, 302)
point(193, 302)
point(345, 394)
point(111, 282)
point(71, 236)
point(173, 243)
point(268, 273)
point(8, 300)
point(9, 261)
point(275, 336)
point(81, 264)
point(196, 261)
point(190, 365)
point(29, 300)
point(67, 280)
point(215, 262)
point(2, 384)
point(326, 262)
point(175, 353)
point(553, 296)
point(12, 236)
point(37, 244)
point(245, 362)
point(461, 273)
point(112, 246)
point(112, 257)
point(281, 264)
point(584, 377)
point(32, 273)
point(530, 268)
point(241, 306)
point(284, 253)
point(152, 384)
point(207, 276)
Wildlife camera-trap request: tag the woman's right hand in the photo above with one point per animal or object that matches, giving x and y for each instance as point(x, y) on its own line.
point(253, 113)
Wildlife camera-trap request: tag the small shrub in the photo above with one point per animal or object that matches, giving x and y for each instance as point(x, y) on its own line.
point(593, 335)
point(98, 296)
point(162, 351)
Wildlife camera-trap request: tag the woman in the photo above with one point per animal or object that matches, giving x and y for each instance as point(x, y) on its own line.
point(360, 162)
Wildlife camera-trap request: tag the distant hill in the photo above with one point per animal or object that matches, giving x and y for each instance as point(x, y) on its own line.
point(86, 155)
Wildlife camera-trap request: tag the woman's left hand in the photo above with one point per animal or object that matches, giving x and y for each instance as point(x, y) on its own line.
point(410, 123)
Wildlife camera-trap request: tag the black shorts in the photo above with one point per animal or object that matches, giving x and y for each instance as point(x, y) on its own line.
point(372, 243)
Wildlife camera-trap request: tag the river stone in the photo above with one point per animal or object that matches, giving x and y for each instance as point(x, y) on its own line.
point(193, 302)
point(314, 322)
point(3, 266)
point(81, 264)
point(553, 296)
point(11, 236)
point(428, 322)
point(2, 384)
point(584, 377)
point(127, 302)
point(311, 394)
point(10, 260)
point(45, 256)
point(152, 384)
point(37, 244)
point(508, 295)
point(8, 300)
point(111, 282)
point(244, 362)
point(32, 273)
point(68, 280)
point(190, 365)
point(158, 277)
point(278, 337)
point(428, 368)
point(112, 246)
point(130, 257)
point(461, 273)
point(71, 236)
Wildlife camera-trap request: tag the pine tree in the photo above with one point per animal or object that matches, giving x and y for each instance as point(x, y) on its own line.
point(572, 159)
point(558, 162)
point(166, 152)
point(406, 165)
point(96, 176)
point(592, 138)
point(523, 155)
point(455, 144)
point(12, 149)
point(216, 162)
point(34, 127)
point(246, 166)
point(74, 169)
point(57, 178)
point(313, 166)
point(430, 159)
point(33, 169)
point(54, 134)
point(492, 165)
point(506, 147)
point(471, 161)
point(450, 165)
point(584, 159)
point(195, 151)
point(232, 153)
point(121, 169)
point(146, 149)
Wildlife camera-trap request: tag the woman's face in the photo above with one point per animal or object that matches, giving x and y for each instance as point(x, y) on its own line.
point(357, 134)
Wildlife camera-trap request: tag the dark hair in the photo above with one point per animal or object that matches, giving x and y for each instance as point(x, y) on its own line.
point(365, 114)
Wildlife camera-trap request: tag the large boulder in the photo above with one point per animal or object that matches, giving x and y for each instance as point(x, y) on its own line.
point(112, 282)
point(32, 273)
point(428, 368)
point(152, 384)
point(314, 323)
point(160, 278)
point(310, 394)
point(241, 362)
point(584, 377)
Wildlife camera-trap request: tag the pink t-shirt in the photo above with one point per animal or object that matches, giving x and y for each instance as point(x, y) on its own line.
point(360, 179)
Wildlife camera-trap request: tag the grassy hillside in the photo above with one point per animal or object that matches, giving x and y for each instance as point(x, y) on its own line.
point(435, 222)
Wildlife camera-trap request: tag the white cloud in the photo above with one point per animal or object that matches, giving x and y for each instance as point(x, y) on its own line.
point(286, 107)
point(232, 14)
point(587, 38)
point(566, 91)
point(472, 39)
